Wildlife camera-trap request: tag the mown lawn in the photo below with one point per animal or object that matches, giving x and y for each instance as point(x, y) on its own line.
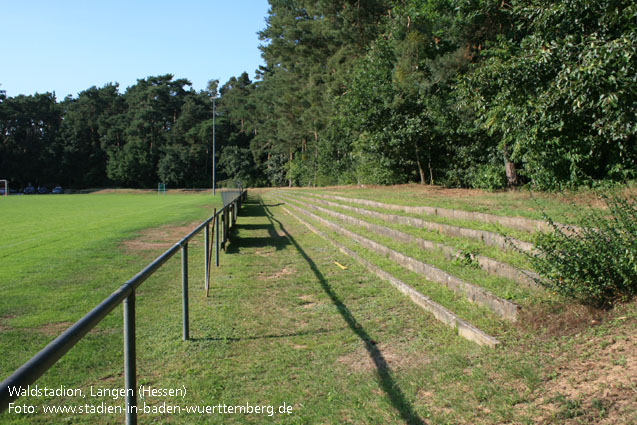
point(285, 324)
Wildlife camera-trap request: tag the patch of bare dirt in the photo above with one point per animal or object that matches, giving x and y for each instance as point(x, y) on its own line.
point(560, 320)
point(3, 325)
point(168, 191)
point(602, 390)
point(261, 253)
point(158, 238)
point(101, 191)
point(54, 329)
point(308, 301)
point(385, 355)
point(594, 380)
point(112, 378)
point(285, 271)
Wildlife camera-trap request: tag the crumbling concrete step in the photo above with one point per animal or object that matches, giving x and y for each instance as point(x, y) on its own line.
point(489, 265)
point(464, 328)
point(505, 309)
point(488, 238)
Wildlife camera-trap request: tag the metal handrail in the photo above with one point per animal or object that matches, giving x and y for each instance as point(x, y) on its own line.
point(35, 367)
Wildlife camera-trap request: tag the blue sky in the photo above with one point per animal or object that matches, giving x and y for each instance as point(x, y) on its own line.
point(67, 46)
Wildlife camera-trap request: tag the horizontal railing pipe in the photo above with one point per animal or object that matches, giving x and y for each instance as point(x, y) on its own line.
point(37, 365)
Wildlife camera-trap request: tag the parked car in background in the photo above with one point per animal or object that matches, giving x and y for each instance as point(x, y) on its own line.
point(43, 189)
point(57, 190)
point(29, 190)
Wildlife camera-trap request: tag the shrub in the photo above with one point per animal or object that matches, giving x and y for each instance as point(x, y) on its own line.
point(595, 264)
point(489, 177)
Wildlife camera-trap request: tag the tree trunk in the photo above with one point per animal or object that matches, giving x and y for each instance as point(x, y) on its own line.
point(509, 168)
point(431, 171)
point(420, 169)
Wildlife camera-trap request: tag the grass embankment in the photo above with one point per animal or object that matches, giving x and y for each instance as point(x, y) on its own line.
point(522, 203)
point(284, 324)
point(501, 287)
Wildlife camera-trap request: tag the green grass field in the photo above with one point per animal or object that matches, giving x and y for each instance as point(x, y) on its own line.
point(284, 324)
point(62, 255)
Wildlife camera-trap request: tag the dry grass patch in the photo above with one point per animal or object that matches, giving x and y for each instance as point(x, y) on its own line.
point(393, 356)
point(263, 253)
point(550, 321)
point(3, 325)
point(285, 271)
point(595, 379)
point(159, 238)
point(54, 329)
point(308, 301)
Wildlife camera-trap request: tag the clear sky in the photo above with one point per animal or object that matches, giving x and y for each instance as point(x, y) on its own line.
point(67, 46)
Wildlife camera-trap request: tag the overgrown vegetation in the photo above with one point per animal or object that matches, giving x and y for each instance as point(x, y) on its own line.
point(483, 94)
point(595, 264)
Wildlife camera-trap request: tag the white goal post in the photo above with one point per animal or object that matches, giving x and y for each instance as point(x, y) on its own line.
point(6, 187)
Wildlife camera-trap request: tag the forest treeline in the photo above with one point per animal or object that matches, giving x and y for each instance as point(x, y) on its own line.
point(468, 93)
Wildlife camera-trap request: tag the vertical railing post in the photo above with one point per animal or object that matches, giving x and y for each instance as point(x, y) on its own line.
point(130, 372)
point(224, 230)
point(216, 226)
point(223, 226)
point(227, 224)
point(206, 256)
point(184, 288)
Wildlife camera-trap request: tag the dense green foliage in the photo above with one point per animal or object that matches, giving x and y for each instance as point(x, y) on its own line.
point(157, 130)
point(596, 264)
point(478, 93)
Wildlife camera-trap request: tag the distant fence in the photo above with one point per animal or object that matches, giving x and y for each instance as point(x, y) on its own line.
point(222, 220)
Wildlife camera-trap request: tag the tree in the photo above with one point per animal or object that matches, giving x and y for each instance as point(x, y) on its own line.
point(153, 106)
point(559, 91)
point(29, 150)
point(87, 121)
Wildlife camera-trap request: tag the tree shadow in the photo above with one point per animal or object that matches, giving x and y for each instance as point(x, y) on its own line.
point(268, 336)
point(387, 382)
point(251, 208)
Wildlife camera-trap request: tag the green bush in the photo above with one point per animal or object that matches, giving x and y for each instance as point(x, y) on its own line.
point(595, 264)
point(489, 177)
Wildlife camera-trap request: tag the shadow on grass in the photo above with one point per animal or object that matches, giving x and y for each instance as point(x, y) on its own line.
point(269, 336)
point(250, 208)
point(387, 382)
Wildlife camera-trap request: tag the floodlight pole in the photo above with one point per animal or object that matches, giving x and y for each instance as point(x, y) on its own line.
point(214, 112)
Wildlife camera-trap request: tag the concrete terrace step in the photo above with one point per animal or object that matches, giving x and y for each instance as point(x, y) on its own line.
point(488, 238)
point(518, 223)
point(473, 293)
point(489, 265)
point(464, 329)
